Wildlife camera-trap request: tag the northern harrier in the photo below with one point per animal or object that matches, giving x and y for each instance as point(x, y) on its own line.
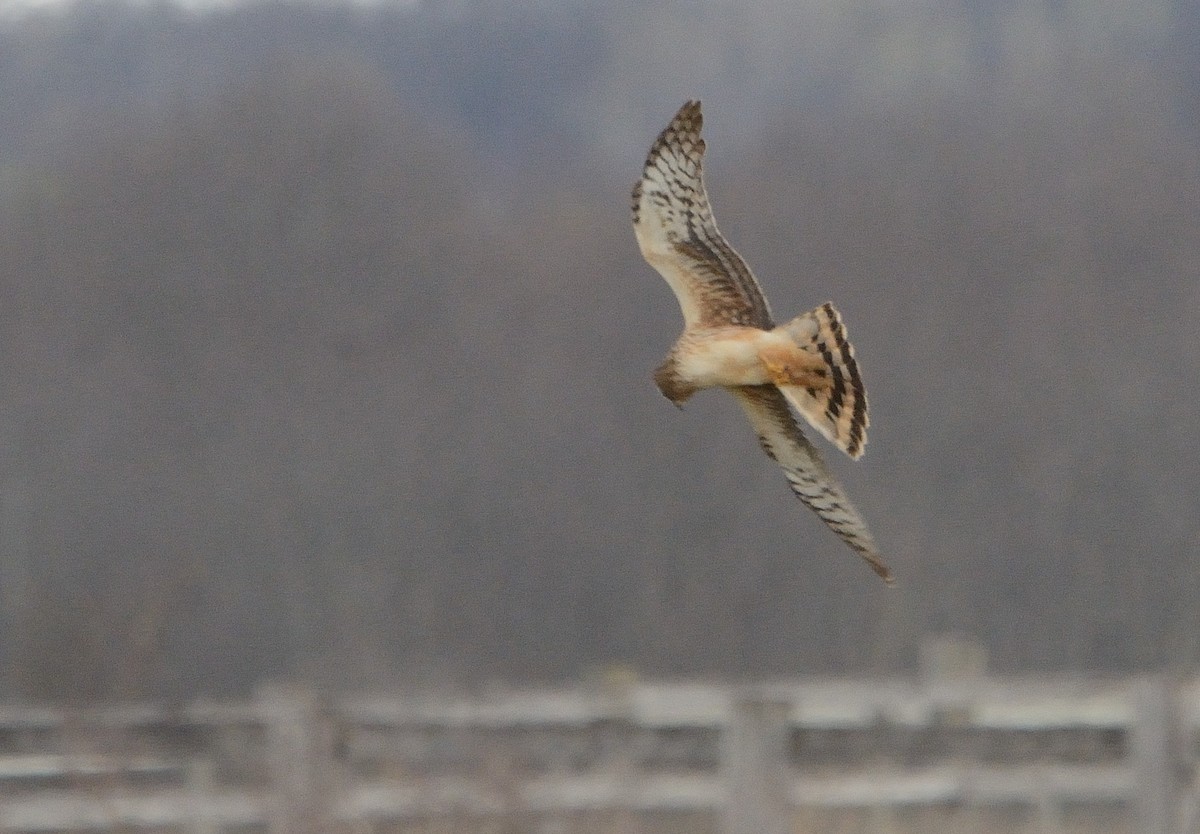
point(729, 339)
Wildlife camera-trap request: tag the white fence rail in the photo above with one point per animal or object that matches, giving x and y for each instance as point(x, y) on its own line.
point(294, 763)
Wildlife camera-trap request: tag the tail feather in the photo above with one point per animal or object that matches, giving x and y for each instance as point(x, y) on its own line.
point(838, 412)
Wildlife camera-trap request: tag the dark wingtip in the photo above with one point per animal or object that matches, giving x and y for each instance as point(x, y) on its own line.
point(690, 115)
point(878, 565)
point(882, 570)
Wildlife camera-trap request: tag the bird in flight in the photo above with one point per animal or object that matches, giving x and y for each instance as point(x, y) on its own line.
point(729, 339)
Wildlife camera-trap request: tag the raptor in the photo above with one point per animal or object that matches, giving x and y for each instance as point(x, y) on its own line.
point(805, 366)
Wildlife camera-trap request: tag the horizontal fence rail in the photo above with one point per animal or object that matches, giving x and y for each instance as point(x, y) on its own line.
point(294, 762)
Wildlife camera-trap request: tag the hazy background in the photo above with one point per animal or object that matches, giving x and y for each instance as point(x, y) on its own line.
point(326, 343)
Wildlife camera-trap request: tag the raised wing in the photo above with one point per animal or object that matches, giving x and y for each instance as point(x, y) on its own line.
point(806, 473)
point(678, 236)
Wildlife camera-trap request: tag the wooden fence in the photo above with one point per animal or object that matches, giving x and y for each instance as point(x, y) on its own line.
point(745, 757)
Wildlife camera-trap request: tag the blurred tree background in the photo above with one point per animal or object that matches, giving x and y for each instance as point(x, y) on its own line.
point(326, 342)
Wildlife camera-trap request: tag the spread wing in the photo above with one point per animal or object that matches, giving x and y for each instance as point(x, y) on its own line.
point(812, 482)
point(678, 235)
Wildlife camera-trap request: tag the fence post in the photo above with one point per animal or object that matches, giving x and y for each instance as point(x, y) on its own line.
point(299, 753)
point(201, 784)
point(754, 766)
point(1152, 757)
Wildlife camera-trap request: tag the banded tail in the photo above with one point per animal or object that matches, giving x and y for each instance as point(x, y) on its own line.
point(838, 412)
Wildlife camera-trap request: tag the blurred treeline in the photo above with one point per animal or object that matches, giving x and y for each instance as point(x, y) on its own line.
point(326, 343)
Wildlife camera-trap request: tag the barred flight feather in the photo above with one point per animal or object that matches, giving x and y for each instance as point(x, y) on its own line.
point(806, 472)
point(678, 234)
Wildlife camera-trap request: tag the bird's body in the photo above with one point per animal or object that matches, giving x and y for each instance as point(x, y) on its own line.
point(711, 357)
point(730, 340)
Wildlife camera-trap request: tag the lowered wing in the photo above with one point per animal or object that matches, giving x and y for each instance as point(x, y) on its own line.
point(806, 473)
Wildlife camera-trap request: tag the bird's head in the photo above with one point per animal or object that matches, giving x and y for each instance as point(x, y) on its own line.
point(671, 386)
